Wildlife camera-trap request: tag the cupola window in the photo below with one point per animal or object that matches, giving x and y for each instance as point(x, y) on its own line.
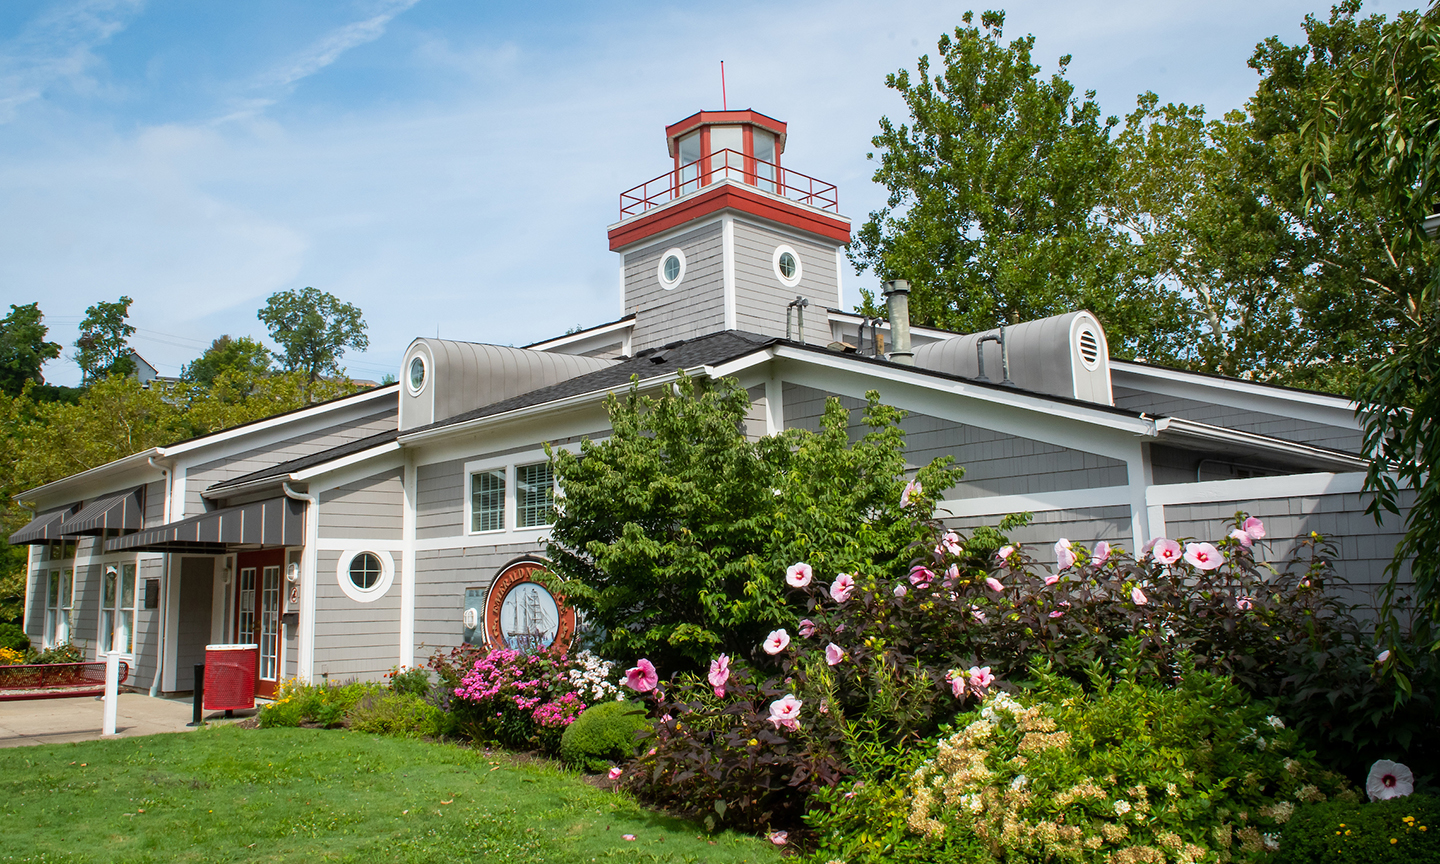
point(417, 374)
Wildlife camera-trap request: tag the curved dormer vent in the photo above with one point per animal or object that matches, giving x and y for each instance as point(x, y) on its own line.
point(1065, 355)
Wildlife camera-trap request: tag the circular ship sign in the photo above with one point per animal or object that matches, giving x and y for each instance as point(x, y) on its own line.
point(522, 614)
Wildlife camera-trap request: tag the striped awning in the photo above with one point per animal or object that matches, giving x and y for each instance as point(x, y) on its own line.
point(271, 523)
point(114, 514)
point(44, 528)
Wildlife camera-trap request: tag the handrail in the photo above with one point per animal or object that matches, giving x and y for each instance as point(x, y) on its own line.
point(731, 165)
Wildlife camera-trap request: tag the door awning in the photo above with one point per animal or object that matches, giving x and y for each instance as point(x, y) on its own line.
point(115, 514)
point(270, 523)
point(44, 528)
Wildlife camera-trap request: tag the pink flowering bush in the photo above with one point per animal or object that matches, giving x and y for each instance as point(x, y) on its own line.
point(517, 699)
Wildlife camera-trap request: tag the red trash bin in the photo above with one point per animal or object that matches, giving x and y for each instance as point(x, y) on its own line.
point(230, 676)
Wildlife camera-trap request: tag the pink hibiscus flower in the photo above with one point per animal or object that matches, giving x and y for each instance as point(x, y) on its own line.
point(977, 614)
point(994, 584)
point(1064, 556)
point(615, 773)
point(901, 591)
point(777, 641)
point(1245, 604)
point(1389, 780)
point(798, 575)
point(1137, 596)
point(642, 678)
point(834, 654)
point(1102, 553)
point(950, 544)
point(1004, 552)
point(779, 838)
point(1166, 551)
point(911, 488)
point(786, 712)
point(1255, 528)
point(842, 587)
point(1052, 579)
point(952, 576)
point(920, 576)
point(957, 682)
point(720, 673)
point(807, 628)
point(1239, 536)
point(1203, 556)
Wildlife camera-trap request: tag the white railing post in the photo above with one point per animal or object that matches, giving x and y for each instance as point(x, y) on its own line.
point(112, 691)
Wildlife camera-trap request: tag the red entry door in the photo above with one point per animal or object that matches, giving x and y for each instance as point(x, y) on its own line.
point(257, 612)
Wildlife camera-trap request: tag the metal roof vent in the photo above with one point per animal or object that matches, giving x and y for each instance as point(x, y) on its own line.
point(1089, 348)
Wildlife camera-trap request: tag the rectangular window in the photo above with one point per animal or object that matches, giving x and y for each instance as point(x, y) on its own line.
point(117, 612)
point(534, 495)
point(689, 174)
point(732, 164)
point(52, 610)
point(487, 500)
point(764, 160)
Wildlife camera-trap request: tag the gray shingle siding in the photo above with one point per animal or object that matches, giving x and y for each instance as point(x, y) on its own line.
point(354, 640)
point(1285, 428)
point(1363, 548)
point(440, 499)
point(761, 298)
point(694, 307)
point(995, 463)
point(1086, 526)
point(200, 477)
point(368, 508)
point(441, 577)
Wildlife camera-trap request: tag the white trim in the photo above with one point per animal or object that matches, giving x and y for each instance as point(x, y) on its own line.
point(407, 564)
point(774, 406)
point(1037, 502)
point(355, 592)
point(791, 281)
point(727, 241)
point(308, 474)
point(1167, 427)
point(839, 276)
point(670, 284)
point(592, 333)
point(1256, 488)
point(510, 464)
point(382, 391)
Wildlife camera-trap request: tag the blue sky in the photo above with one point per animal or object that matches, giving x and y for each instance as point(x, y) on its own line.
point(451, 166)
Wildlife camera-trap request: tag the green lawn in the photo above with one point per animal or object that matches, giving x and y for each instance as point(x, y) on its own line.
point(227, 794)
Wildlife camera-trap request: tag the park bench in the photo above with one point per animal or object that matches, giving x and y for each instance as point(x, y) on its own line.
point(55, 680)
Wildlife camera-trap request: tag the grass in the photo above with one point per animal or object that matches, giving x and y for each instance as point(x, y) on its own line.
point(228, 794)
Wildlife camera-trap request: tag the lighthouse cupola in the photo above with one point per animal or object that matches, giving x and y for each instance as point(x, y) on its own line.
point(729, 238)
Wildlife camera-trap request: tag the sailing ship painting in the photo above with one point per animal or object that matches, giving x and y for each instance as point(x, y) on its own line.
point(529, 618)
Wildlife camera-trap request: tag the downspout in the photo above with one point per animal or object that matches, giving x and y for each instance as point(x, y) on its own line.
point(164, 587)
point(304, 664)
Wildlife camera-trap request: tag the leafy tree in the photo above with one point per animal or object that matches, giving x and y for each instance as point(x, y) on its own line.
point(102, 348)
point(1379, 128)
point(994, 188)
point(675, 533)
point(243, 356)
point(23, 349)
point(313, 328)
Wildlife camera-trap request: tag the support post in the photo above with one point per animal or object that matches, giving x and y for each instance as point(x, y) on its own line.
point(112, 691)
point(197, 717)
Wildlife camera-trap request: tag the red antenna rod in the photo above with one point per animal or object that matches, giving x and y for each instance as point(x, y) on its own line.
point(724, 102)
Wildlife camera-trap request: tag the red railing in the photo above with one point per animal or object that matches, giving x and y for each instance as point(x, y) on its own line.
point(51, 680)
point(731, 165)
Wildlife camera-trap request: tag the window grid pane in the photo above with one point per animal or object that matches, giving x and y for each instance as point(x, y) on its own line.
point(535, 495)
point(487, 500)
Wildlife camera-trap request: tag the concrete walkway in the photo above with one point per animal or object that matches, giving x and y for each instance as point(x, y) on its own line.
point(79, 718)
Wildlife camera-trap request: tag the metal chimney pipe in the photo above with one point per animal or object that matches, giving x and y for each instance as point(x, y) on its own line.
point(897, 300)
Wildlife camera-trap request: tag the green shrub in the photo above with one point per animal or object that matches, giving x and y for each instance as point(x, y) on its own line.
point(1188, 773)
point(14, 638)
point(403, 714)
point(415, 682)
point(1400, 830)
point(66, 653)
point(603, 735)
point(298, 703)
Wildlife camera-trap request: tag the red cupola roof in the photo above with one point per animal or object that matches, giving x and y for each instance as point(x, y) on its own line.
point(728, 159)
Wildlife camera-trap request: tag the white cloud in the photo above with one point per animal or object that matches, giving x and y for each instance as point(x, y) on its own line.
point(58, 48)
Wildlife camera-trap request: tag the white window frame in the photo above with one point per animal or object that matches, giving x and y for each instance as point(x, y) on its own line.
point(59, 614)
point(355, 592)
point(508, 464)
point(668, 284)
point(105, 641)
point(792, 281)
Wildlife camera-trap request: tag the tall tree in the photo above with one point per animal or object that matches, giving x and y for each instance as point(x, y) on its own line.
point(995, 186)
point(1375, 136)
point(103, 348)
point(313, 328)
point(23, 349)
point(244, 357)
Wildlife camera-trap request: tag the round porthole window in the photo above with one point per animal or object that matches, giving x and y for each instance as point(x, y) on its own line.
point(787, 266)
point(417, 374)
point(671, 269)
point(365, 575)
